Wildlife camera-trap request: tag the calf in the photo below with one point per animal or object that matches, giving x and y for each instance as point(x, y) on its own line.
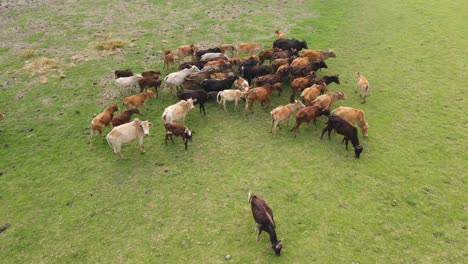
point(263, 216)
point(168, 59)
point(363, 86)
point(102, 120)
point(265, 55)
point(200, 96)
point(282, 113)
point(241, 84)
point(301, 83)
point(177, 111)
point(128, 82)
point(126, 133)
point(186, 50)
point(229, 95)
point(260, 94)
point(124, 117)
point(324, 101)
point(210, 85)
point(346, 129)
point(138, 100)
point(308, 114)
point(280, 34)
point(178, 131)
point(353, 116)
point(227, 47)
point(122, 73)
point(153, 74)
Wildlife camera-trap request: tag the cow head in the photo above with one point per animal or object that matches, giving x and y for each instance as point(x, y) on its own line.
point(144, 125)
point(113, 108)
point(191, 102)
point(335, 78)
point(357, 151)
point(304, 45)
point(188, 135)
point(277, 247)
point(320, 64)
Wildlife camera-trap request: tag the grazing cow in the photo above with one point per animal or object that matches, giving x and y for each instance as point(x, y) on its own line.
point(186, 50)
point(280, 34)
point(325, 101)
point(193, 80)
point(353, 116)
point(260, 94)
point(168, 59)
point(210, 85)
point(138, 100)
point(200, 53)
point(128, 82)
point(300, 84)
point(126, 133)
point(229, 95)
point(200, 97)
point(303, 70)
point(281, 113)
point(247, 47)
point(148, 82)
point(178, 131)
point(177, 78)
point(177, 111)
point(122, 73)
point(314, 55)
point(102, 120)
point(308, 114)
point(344, 128)
point(124, 117)
point(310, 93)
point(227, 47)
point(290, 44)
point(363, 86)
point(263, 216)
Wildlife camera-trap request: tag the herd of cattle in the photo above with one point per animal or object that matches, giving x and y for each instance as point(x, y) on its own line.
point(220, 73)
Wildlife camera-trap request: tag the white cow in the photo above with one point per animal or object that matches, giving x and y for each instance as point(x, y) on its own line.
point(128, 82)
point(177, 78)
point(126, 133)
point(229, 95)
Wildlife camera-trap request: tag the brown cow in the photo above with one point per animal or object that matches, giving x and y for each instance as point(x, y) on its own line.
point(178, 131)
point(353, 116)
point(281, 113)
point(259, 94)
point(168, 59)
point(308, 114)
point(187, 50)
point(102, 120)
point(324, 101)
point(310, 93)
point(247, 47)
point(124, 117)
point(280, 34)
point(301, 83)
point(138, 100)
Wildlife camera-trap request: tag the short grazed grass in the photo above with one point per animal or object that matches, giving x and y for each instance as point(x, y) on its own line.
point(403, 201)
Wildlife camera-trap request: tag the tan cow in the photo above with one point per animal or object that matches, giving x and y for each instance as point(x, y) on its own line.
point(281, 113)
point(100, 121)
point(177, 111)
point(247, 47)
point(138, 100)
point(353, 116)
point(126, 133)
point(229, 95)
point(362, 86)
point(310, 93)
point(280, 34)
point(325, 101)
point(187, 50)
point(168, 59)
point(314, 55)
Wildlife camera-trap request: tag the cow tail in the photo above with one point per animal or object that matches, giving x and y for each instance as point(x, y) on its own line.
point(218, 97)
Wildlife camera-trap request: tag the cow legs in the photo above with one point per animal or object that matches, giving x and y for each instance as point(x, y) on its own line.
point(236, 104)
point(140, 142)
point(259, 231)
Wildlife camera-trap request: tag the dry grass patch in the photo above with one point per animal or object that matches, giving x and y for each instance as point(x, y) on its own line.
point(42, 66)
point(27, 53)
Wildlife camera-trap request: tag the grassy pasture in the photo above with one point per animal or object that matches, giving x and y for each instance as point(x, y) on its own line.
point(404, 201)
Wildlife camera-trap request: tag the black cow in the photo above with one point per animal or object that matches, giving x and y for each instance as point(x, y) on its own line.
point(189, 64)
point(263, 216)
point(123, 73)
point(250, 72)
point(347, 130)
point(290, 44)
point(212, 85)
point(200, 95)
point(327, 80)
point(301, 71)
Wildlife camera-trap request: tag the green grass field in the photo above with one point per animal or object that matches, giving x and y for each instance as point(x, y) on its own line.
point(403, 201)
